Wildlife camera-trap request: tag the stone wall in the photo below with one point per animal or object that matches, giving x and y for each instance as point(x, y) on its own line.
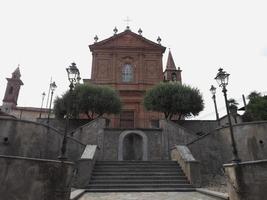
point(34, 140)
point(247, 180)
point(30, 114)
point(111, 144)
point(174, 134)
point(60, 124)
point(92, 133)
point(199, 127)
point(34, 179)
point(214, 149)
point(107, 139)
point(251, 139)
point(177, 133)
point(235, 120)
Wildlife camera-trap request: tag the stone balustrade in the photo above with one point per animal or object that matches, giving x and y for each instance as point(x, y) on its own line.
point(190, 166)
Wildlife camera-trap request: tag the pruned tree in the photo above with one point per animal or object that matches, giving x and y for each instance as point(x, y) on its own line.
point(91, 100)
point(174, 99)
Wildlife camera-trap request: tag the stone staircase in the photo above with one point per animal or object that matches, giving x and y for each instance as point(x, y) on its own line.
point(138, 176)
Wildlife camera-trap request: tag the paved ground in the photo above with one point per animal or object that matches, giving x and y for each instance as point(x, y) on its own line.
point(147, 196)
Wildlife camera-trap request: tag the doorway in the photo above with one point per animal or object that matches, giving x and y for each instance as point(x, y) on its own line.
point(132, 145)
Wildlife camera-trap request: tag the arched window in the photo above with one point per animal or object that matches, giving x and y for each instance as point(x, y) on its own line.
point(174, 78)
point(127, 73)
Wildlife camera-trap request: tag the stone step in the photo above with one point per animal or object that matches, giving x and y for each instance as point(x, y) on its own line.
point(137, 173)
point(125, 177)
point(143, 185)
point(138, 170)
point(138, 176)
point(141, 190)
point(136, 166)
point(129, 181)
point(135, 162)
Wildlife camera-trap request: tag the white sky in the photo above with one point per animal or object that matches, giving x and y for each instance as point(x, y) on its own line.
point(44, 37)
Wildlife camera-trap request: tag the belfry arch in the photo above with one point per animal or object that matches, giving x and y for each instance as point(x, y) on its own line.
point(133, 136)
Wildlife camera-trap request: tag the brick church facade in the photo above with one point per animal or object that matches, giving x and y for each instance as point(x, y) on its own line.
point(131, 64)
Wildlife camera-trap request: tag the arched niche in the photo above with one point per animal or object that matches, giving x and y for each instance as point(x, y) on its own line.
point(124, 136)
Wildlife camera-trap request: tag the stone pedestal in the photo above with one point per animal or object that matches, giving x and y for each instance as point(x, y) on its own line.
point(85, 165)
point(247, 180)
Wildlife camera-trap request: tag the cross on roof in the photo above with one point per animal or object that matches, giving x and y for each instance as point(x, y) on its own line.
point(127, 20)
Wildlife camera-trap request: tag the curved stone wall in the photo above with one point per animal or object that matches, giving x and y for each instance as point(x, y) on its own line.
point(214, 149)
point(34, 140)
point(31, 179)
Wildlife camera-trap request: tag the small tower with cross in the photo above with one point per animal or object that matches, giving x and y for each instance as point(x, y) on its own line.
point(171, 73)
point(12, 91)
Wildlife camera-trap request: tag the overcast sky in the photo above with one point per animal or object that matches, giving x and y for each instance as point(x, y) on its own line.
point(44, 37)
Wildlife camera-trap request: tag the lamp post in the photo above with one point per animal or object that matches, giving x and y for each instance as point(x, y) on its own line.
point(213, 92)
point(78, 79)
point(53, 86)
point(41, 109)
point(222, 79)
point(74, 78)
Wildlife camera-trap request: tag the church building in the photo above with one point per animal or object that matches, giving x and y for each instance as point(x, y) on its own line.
point(12, 91)
point(9, 106)
point(131, 64)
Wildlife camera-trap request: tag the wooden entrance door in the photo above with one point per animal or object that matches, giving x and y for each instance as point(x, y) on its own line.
point(127, 119)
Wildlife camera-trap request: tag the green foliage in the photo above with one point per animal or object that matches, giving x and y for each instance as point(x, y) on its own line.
point(256, 109)
point(91, 100)
point(60, 107)
point(174, 99)
point(253, 95)
point(232, 103)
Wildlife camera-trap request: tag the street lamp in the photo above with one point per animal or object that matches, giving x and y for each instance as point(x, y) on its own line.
point(222, 79)
point(74, 78)
point(78, 78)
point(43, 96)
point(53, 86)
point(73, 75)
point(213, 92)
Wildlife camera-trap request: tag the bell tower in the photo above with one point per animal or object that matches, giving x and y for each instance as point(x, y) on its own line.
point(12, 91)
point(171, 73)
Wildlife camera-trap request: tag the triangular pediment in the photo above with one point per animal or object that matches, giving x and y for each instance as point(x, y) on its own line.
point(127, 39)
